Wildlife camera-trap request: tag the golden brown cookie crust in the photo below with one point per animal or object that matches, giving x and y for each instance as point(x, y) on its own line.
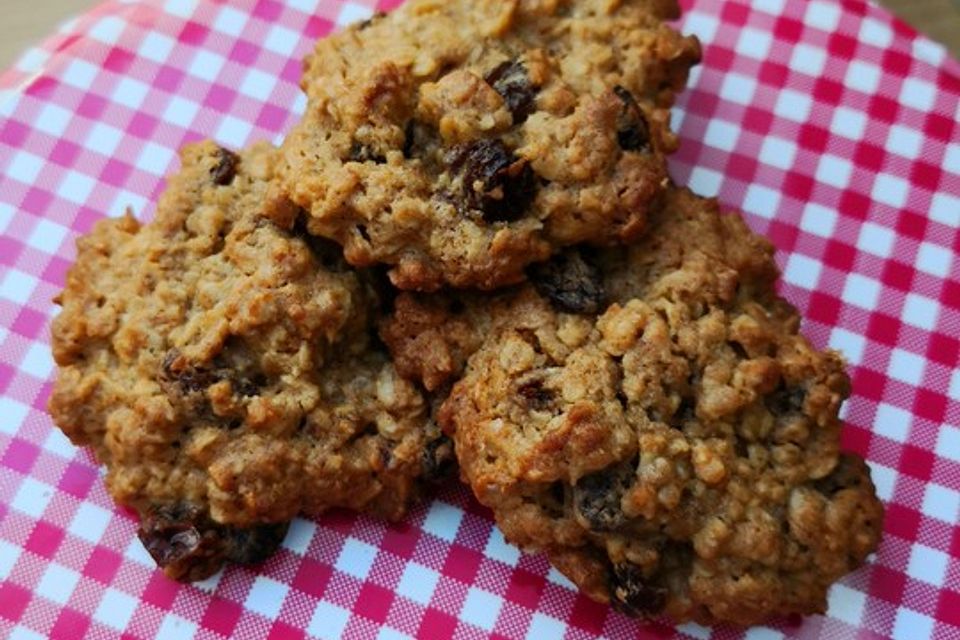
point(222, 369)
point(679, 452)
point(460, 141)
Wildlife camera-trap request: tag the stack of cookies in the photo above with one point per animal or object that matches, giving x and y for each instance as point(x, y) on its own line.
point(470, 251)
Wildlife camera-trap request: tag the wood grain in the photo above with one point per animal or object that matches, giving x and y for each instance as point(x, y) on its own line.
point(27, 22)
point(938, 19)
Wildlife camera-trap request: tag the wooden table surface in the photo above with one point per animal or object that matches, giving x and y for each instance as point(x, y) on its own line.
point(25, 22)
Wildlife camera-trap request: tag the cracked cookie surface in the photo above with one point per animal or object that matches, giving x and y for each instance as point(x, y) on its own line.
point(675, 452)
point(224, 372)
point(460, 141)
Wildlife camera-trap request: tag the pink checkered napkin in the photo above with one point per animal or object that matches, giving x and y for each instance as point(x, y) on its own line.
point(833, 126)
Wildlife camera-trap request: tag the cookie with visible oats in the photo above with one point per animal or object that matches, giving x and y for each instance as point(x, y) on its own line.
point(460, 141)
point(223, 371)
point(651, 418)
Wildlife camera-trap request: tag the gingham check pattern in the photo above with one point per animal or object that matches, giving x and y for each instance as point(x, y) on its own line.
point(834, 126)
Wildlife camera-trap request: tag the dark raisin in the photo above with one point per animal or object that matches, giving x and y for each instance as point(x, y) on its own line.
point(538, 398)
point(226, 169)
point(511, 81)
point(190, 379)
point(493, 180)
point(633, 132)
point(596, 498)
point(181, 541)
point(635, 595)
point(437, 459)
point(253, 545)
point(570, 282)
point(189, 546)
point(786, 400)
point(194, 380)
point(364, 153)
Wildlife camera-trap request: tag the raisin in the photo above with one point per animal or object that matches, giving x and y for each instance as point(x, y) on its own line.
point(189, 546)
point(226, 169)
point(182, 542)
point(364, 153)
point(493, 180)
point(571, 283)
point(633, 132)
point(193, 379)
point(253, 545)
point(596, 498)
point(635, 595)
point(786, 400)
point(190, 379)
point(511, 81)
point(536, 396)
point(437, 459)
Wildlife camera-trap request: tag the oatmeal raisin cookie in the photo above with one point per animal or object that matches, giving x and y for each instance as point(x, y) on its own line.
point(460, 141)
point(223, 371)
point(651, 418)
